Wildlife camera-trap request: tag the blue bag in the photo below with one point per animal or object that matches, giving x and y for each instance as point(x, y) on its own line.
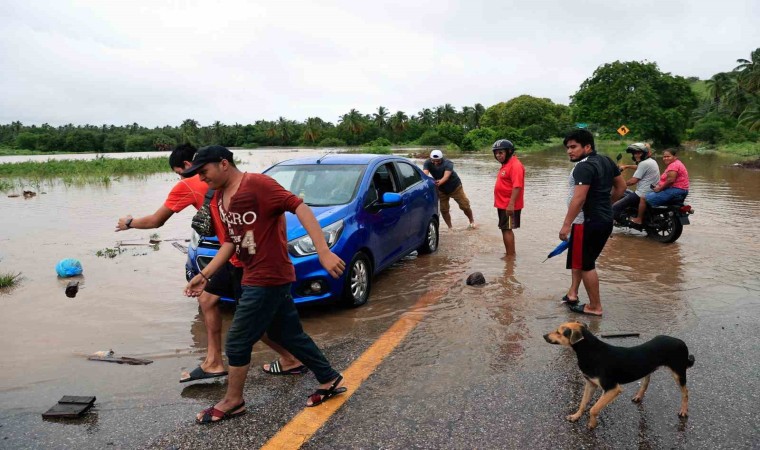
point(68, 267)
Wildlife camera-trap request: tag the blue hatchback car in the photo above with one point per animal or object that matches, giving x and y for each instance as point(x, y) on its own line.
point(373, 209)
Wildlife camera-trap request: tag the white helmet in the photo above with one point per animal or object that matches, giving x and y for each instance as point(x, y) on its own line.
point(436, 154)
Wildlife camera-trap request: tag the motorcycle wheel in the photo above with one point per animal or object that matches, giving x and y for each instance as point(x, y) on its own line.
point(667, 229)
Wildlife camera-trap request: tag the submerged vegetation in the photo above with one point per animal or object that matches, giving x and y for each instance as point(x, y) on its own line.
point(9, 279)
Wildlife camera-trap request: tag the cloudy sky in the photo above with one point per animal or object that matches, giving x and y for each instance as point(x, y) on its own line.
point(159, 62)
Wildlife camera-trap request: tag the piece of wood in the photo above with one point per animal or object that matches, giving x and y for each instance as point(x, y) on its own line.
point(69, 407)
point(121, 360)
point(77, 399)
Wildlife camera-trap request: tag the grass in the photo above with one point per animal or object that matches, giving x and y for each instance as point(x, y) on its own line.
point(9, 279)
point(743, 149)
point(100, 170)
point(700, 88)
point(100, 167)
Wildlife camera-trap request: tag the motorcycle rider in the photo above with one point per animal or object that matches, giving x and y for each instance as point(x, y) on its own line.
point(647, 173)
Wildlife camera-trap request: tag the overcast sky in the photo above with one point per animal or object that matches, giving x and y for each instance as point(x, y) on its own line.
point(160, 62)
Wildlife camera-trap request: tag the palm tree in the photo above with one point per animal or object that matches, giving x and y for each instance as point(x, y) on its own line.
point(284, 130)
point(749, 72)
point(399, 122)
point(750, 118)
point(439, 115)
point(449, 113)
point(467, 117)
point(312, 130)
point(719, 85)
point(354, 121)
point(380, 118)
point(478, 114)
point(189, 130)
point(425, 117)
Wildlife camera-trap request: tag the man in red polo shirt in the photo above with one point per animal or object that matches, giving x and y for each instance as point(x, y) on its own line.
point(508, 192)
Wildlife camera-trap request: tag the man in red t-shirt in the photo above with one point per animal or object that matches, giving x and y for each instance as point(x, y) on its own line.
point(191, 191)
point(508, 192)
point(253, 206)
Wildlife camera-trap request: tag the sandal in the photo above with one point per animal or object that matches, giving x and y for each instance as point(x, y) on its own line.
point(321, 395)
point(275, 368)
point(210, 413)
point(569, 301)
point(580, 308)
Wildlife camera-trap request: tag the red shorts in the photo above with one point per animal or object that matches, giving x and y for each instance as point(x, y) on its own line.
point(586, 243)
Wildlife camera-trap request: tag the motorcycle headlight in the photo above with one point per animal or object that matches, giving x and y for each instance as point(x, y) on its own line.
point(304, 246)
point(195, 239)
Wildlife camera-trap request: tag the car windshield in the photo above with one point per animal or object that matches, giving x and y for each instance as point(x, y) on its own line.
point(320, 185)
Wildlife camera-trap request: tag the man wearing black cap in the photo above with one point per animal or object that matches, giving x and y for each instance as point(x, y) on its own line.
point(252, 207)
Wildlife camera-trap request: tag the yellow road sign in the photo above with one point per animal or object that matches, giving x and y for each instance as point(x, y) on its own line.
point(623, 130)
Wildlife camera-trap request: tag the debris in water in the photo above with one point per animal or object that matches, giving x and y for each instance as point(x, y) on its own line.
point(70, 407)
point(72, 288)
point(476, 279)
point(109, 356)
point(68, 267)
point(180, 247)
point(29, 194)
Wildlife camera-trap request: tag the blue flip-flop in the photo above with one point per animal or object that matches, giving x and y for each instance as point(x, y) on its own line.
point(200, 374)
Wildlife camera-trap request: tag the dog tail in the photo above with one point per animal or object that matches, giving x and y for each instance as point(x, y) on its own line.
point(690, 361)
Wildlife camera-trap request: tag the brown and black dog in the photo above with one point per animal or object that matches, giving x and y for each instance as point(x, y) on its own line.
point(608, 367)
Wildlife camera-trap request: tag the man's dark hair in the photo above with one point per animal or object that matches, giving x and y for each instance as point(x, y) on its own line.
point(180, 154)
point(581, 136)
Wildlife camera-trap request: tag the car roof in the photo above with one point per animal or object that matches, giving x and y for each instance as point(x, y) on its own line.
point(338, 158)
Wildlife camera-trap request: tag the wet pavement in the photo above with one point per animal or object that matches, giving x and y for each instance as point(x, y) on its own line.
point(475, 372)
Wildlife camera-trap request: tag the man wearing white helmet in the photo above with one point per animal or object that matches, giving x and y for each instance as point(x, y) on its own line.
point(449, 186)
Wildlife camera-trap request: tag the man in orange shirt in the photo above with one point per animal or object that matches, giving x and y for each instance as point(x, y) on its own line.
point(508, 192)
point(191, 191)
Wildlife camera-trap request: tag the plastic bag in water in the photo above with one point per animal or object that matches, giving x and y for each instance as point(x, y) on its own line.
point(68, 267)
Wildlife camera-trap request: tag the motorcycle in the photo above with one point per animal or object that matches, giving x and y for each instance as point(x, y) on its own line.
point(661, 223)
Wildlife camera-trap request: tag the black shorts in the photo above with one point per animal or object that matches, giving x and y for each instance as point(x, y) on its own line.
point(226, 282)
point(508, 221)
point(586, 243)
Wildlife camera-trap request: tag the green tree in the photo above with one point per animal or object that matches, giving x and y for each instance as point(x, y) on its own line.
point(652, 104)
point(188, 129)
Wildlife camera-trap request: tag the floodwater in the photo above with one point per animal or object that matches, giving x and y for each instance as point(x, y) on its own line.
point(132, 303)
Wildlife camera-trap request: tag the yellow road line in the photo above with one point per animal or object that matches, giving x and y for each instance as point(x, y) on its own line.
point(296, 432)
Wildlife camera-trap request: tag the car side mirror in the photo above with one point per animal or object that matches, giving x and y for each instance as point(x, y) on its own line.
point(390, 199)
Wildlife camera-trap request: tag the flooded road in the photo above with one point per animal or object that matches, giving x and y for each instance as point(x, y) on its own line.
point(474, 368)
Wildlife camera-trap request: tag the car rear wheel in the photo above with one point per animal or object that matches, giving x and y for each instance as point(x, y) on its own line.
point(430, 244)
point(358, 281)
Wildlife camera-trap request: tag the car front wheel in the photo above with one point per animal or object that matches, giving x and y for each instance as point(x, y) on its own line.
point(358, 281)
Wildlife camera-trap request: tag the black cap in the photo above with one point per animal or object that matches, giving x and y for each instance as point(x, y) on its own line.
point(210, 154)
